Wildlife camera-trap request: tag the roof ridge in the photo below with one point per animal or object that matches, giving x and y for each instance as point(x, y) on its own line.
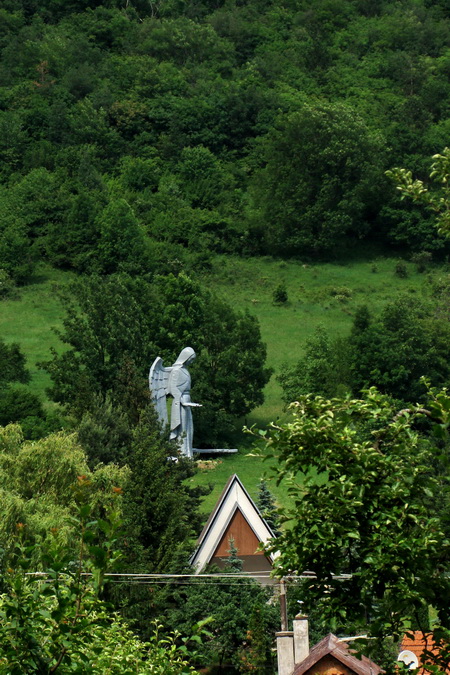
point(220, 518)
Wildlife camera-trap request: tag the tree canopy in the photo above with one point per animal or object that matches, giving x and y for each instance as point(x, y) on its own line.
point(139, 139)
point(213, 127)
point(56, 621)
point(319, 182)
point(116, 327)
point(437, 199)
point(365, 486)
point(393, 351)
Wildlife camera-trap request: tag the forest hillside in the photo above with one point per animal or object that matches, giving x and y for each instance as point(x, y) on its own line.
point(221, 174)
point(204, 139)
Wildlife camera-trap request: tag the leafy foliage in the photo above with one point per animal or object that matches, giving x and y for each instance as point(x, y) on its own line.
point(157, 510)
point(157, 122)
point(363, 517)
point(57, 622)
point(19, 404)
point(318, 183)
point(161, 511)
point(437, 200)
point(255, 655)
point(12, 364)
point(143, 137)
point(125, 323)
point(37, 485)
point(324, 369)
point(392, 352)
point(232, 605)
point(280, 294)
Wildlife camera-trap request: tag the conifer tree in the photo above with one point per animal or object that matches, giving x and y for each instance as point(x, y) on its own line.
point(230, 602)
point(256, 655)
point(233, 563)
point(266, 505)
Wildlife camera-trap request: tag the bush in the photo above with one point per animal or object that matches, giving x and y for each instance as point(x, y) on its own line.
point(35, 427)
point(17, 404)
point(342, 291)
point(422, 260)
point(7, 286)
point(401, 270)
point(280, 294)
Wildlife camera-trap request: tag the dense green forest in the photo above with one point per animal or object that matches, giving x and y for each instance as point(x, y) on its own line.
point(209, 174)
point(143, 137)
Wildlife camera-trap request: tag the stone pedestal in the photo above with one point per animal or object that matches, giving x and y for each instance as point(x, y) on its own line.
point(214, 451)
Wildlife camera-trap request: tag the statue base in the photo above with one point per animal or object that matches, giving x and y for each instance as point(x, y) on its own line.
point(214, 451)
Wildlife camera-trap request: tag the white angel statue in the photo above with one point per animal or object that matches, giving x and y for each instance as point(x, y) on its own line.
point(176, 382)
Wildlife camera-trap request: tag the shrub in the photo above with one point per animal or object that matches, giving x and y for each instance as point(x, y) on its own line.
point(341, 292)
point(280, 294)
point(401, 270)
point(7, 286)
point(16, 404)
point(35, 427)
point(421, 260)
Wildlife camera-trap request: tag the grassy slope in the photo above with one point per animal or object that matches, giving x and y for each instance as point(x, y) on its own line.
point(249, 285)
point(31, 319)
point(321, 294)
point(246, 284)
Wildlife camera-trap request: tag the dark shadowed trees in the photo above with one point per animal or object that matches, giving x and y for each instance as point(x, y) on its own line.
point(116, 326)
point(320, 180)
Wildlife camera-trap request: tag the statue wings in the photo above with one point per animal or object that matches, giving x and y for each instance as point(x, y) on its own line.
point(158, 380)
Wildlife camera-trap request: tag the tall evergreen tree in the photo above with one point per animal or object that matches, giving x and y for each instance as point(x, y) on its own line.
point(267, 507)
point(230, 602)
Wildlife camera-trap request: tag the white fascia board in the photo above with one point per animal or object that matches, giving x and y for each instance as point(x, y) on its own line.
point(236, 497)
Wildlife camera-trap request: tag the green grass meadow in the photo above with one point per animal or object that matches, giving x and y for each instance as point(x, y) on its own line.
point(31, 319)
point(326, 294)
point(322, 294)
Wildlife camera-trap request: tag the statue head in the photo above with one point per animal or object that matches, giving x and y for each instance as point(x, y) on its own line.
point(186, 356)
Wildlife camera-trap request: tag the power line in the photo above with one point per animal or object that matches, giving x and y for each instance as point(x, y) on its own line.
point(229, 578)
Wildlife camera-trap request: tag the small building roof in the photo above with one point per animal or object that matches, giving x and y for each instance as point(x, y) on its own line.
point(332, 646)
point(234, 508)
point(416, 642)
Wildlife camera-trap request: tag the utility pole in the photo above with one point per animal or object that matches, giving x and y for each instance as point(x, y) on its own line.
point(283, 606)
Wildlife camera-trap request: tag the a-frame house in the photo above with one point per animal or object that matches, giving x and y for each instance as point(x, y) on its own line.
point(236, 517)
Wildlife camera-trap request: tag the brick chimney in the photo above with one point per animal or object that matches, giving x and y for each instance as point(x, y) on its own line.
point(293, 646)
point(301, 638)
point(285, 652)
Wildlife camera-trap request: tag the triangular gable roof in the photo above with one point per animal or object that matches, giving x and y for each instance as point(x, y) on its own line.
point(234, 498)
point(330, 645)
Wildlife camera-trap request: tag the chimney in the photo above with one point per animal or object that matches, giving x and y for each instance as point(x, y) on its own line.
point(301, 638)
point(285, 652)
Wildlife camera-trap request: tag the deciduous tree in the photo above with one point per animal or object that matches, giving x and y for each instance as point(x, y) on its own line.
point(435, 196)
point(319, 180)
point(116, 327)
point(363, 516)
point(56, 622)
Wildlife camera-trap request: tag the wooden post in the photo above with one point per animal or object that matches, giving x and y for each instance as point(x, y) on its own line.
point(283, 606)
